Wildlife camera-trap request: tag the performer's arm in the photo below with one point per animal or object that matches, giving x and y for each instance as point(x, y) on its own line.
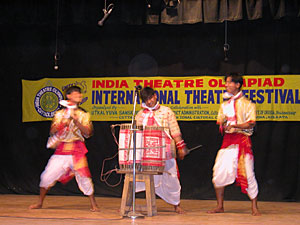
point(138, 118)
point(56, 127)
point(247, 125)
point(221, 120)
point(250, 118)
point(86, 130)
point(181, 147)
point(176, 135)
point(57, 124)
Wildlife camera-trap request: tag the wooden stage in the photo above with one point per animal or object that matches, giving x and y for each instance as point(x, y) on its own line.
point(73, 210)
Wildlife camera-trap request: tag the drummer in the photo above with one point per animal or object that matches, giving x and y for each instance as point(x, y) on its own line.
point(167, 185)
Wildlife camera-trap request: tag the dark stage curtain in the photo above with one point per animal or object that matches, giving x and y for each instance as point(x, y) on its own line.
point(216, 11)
point(138, 12)
point(257, 47)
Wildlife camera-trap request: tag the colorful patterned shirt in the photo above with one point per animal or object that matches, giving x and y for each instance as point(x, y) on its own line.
point(73, 133)
point(242, 110)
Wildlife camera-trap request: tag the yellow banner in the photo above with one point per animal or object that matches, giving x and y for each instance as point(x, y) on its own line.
point(191, 98)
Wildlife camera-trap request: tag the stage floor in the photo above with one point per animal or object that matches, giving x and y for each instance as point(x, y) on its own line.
point(73, 210)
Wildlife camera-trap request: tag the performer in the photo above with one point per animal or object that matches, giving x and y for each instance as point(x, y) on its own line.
point(167, 185)
point(235, 161)
point(71, 125)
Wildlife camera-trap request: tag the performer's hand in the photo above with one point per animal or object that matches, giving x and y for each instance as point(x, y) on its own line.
point(181, 148)
point(225, 119)
point(230, 128)
point(59, 127)
point(86, 130)
point(227, 128)
point(182, 153)
point(74, 116)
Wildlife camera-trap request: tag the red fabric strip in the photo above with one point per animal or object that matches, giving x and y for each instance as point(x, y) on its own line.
point(244, 143)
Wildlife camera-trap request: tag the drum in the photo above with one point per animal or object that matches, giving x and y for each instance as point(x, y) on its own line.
point(150, 149)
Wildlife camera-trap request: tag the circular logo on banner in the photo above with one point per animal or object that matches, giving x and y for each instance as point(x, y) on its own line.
point(46, 101)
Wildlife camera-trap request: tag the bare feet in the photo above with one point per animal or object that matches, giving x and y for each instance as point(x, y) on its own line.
point(256, 212)
point(254, 207)
point(36, 206)
point(216, 210)
point(95, 209)
point(94, 206)
point(178, 209)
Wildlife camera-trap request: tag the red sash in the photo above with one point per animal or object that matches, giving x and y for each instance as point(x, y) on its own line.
point(78, 150)
point(244, 143)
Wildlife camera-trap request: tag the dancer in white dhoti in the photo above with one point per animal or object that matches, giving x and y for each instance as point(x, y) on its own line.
point(167, 186)
point(70, 127)
point(235, 161)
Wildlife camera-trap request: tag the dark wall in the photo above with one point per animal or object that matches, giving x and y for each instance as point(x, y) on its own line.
point(256, 47)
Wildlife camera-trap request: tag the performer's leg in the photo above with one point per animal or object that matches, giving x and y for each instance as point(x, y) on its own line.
point(167, 185)
point(85, 184)
point(94, 206)
point(252, 184)
point(224, 173)
point(225, 168)
point(55, 168)
point(43, 192)
point(178, 209)
point(255, 211)
point(220, 201)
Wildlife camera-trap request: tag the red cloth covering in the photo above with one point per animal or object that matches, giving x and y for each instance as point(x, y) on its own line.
point(78, 150)
point(244, 143)
point(125, 140)
point(153, 156)
point(153, 138)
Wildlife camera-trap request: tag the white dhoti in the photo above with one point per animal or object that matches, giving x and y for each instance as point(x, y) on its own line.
point(167, 185)
point(57, 166)
point(225, 169)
